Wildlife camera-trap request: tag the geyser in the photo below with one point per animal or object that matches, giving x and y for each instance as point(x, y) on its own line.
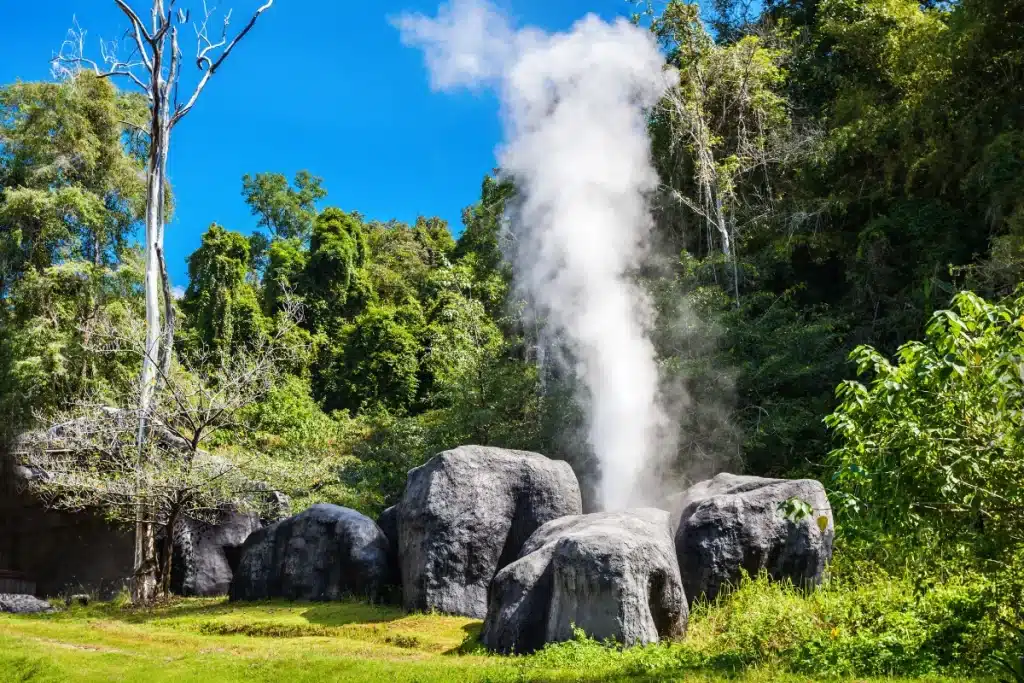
point(577, 149)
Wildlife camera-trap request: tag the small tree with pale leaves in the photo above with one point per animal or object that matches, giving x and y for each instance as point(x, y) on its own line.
point(87, 458)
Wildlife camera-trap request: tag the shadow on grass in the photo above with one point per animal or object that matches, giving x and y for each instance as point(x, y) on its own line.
point(173, 609)
point(470, 644)
point(350, 612)
point(322, 617)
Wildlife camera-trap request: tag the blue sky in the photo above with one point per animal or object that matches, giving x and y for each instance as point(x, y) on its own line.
point(323, 85)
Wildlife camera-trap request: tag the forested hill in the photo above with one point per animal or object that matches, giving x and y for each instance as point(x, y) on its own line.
point(833, 172)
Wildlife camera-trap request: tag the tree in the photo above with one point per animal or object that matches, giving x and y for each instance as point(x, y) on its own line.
point(722, 127)
point(70, 195)
point(45, 357)
point(334, 282)
point(70, 188)
point(287, 211)
point(286, 262)
point(223, 308)
point(401, 258)
point(481, 243)
point(154, 65)
point(375, 360)
point(930, 449)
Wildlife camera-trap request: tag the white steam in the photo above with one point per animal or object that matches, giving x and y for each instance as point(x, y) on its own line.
point(577, 149)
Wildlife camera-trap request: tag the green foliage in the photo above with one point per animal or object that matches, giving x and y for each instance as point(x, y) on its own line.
point(877, 625)
point(480, 245)
point(287, 211)
point(933, 441)
point(224, 309)
point(375, 362)
point(286, 261)
point(70, 194)
point(1011, 665)
point(334, 281)
point(46, 356)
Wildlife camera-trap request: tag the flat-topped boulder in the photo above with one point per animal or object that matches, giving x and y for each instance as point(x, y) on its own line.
point(326, 552)
point(466, 513)
point(732, 523)
point(23, 604)
point(612, 574)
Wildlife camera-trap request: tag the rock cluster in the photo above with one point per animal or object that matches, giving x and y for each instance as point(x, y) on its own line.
point(499, 535)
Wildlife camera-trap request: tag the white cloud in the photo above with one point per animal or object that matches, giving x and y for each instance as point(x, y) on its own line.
point(467, 44)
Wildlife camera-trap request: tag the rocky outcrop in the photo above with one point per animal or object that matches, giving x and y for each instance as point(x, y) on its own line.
point(62, 552)
point(612, 574)
point(466, 513)
point(206, 554)
point(326, 552)
point(57, 553)
point(732, 523)
point(23, 604)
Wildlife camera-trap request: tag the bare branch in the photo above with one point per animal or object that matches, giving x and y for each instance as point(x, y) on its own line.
point(210, 67)
point(142, 36)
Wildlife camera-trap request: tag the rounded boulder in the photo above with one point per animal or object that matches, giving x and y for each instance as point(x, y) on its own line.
point(326, 552)
point(731, 523)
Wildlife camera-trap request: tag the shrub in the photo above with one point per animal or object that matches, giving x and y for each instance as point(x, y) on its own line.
point(932, 444)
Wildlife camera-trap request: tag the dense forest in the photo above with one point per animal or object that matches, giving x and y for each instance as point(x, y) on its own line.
point(840, 240)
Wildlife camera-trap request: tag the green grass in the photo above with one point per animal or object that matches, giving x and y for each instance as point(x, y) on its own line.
point(211, 641)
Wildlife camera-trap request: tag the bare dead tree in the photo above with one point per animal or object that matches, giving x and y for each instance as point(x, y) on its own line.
point(86, 458)
point(154, 64)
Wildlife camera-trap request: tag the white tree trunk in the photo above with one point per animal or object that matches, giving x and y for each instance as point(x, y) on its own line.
point(144, 585)
point(144, 580)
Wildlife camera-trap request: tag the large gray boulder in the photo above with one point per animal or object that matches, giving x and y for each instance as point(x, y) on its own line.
point(207, 553)
point(466, 513)
point(732, 523)
point(612, 574)
point(326, 552)
point(23, 604)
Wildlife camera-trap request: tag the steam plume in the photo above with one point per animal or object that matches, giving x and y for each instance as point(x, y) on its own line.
point(577, 148)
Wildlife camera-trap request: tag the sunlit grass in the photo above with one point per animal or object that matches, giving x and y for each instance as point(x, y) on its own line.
point(213, 641)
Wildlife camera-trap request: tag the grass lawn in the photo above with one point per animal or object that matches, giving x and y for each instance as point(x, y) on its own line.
point(210, 641)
